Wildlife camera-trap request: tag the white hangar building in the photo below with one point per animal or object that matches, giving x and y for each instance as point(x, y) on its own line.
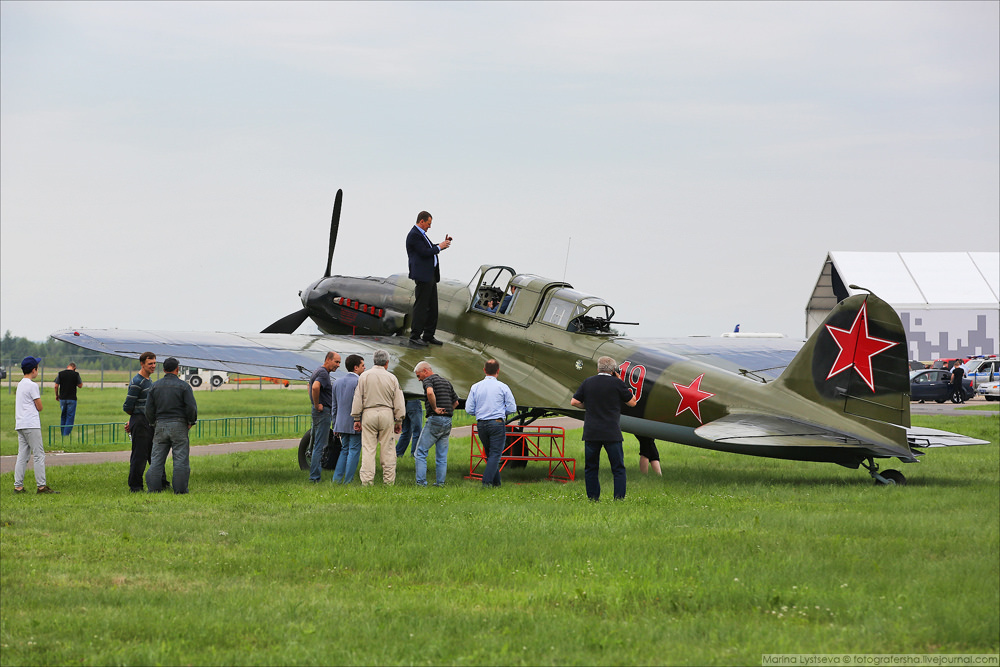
point(949, 302)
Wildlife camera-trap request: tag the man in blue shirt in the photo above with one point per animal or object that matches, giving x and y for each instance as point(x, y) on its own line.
point(490, 401)
point(343, 422)
point(321, 396)
point(602, 396)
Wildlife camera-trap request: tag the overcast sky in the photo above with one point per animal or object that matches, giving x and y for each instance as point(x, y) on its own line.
point(173, 166)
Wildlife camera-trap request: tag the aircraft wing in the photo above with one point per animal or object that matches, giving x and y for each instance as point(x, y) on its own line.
point(924, 438)
point(761, 359)
point(771, 430)
point(286, 356)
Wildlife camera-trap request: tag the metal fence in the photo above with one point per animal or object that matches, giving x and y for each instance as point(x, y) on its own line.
point(90, 435)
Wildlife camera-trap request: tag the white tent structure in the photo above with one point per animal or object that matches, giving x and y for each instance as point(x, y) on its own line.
point(949, 302)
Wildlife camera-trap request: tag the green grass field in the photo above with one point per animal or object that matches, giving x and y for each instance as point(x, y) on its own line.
point(723, 559)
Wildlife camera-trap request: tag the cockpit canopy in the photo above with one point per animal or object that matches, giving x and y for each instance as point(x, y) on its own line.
point(523, 298)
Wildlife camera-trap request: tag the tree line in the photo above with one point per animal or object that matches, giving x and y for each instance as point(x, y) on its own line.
point(56, 354)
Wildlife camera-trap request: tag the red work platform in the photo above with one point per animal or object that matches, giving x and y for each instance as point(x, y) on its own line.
point(524, 443)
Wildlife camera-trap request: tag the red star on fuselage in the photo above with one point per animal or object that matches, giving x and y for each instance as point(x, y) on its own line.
point(857, 348)
point(691, 397)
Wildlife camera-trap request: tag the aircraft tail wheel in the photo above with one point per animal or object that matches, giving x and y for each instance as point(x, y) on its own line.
point(892, 478)
point(305, 450)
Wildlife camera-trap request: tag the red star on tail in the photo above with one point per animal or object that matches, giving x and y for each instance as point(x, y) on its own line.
point(691, 397)
point(857, 348)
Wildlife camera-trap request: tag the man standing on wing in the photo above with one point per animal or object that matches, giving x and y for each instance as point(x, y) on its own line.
point(441, 403)
point(321, 396)
point(378, 411)
point(343, 422)
point(138, 426)
point(602, 397)
point(490, 401)
point(67, 382)
point(426, 273)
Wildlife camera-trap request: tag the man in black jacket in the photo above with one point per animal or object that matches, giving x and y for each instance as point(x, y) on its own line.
point(426, 273)
point(171, 410)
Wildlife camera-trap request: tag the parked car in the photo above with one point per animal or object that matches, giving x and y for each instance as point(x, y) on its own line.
point(935, 385)
point(990, 391)
point(3, 373)
point(984, 369)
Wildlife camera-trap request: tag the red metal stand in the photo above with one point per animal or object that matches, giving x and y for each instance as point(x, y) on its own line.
point(524, 443)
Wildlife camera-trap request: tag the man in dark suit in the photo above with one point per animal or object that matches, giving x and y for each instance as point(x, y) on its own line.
point(425, 272)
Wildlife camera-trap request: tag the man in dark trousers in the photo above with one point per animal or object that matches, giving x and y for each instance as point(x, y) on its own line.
point(67, 382)
point(426, 273)
point(138, 427)
point(957, 391)
point(602, 396)
point(172, 411)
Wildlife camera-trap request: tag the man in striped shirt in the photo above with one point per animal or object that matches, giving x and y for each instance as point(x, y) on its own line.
point(138, 426)
point(441, 403)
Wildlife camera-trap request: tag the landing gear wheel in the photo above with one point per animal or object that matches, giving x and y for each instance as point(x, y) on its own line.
point(305, 451)
point(893, 478)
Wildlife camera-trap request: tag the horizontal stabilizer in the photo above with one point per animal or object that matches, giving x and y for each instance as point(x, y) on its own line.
point(764, 430)
point(931, 437)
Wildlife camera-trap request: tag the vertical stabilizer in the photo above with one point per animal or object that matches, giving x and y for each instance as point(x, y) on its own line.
point(856, 362)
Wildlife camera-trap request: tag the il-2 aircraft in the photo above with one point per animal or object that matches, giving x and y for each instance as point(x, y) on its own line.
point(842, 397)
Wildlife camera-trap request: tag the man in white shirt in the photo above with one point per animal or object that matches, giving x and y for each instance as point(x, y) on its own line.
point(28, 424)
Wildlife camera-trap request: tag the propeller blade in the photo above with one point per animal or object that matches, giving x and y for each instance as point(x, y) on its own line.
point(334, 226)
point(289, 323)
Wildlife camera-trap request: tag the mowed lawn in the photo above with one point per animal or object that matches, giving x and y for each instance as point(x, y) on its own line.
point(722, 560)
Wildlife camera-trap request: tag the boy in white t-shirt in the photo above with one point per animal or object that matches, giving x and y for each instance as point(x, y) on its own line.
point(28, 423)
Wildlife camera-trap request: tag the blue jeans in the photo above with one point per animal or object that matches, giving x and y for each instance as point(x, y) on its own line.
point(347, 463)
point(592, 465)
point(320, 436)
point(68, 416)
point(493, 435)
point(169, 436)
point(435, 434)
point(411, 428)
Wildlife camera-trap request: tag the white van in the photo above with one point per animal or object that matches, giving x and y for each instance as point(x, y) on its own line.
point(198, 375)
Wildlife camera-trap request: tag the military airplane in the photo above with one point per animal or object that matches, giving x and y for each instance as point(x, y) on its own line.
point(842, 397)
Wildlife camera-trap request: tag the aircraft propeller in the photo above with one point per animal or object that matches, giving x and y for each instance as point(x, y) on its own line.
point(289, 323)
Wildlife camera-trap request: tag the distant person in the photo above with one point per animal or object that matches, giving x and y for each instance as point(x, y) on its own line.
point(957, 374)
point(321, 397)
point(426, 273)
point(649, 456)
point(138, 426)
point(343, 422)
point(490, 401)
point(378, 410)
point(67, 382)
point(602, 396)
point(441, 403)
point(28, 424)
point(171, 411)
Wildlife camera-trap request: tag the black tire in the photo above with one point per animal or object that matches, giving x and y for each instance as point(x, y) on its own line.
point(305, 450)
point(895, 478)
point(939, 400)
point(195, 380)
point(216, 381)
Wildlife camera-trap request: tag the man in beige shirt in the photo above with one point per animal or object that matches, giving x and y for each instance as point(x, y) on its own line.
point(378, 412)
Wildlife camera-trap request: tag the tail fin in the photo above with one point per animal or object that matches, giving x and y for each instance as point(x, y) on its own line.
point(856, 363)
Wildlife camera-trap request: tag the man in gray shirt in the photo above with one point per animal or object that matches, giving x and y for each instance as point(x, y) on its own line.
point(172, 411)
